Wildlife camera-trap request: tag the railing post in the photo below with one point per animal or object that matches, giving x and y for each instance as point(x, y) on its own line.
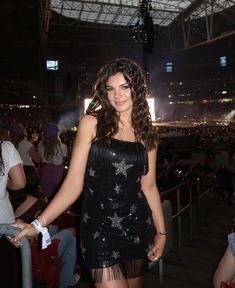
point(198, 202)
point(9, 230)
point(191, 211)
point(179, 221)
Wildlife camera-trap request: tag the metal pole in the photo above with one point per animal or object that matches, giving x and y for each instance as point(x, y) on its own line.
point(26, 262)
point(191, 211)
point(179, 220)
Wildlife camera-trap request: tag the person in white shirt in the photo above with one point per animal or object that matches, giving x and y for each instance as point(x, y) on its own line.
point(11, 177)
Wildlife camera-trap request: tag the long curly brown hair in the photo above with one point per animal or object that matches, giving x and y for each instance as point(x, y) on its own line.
point(107, 118)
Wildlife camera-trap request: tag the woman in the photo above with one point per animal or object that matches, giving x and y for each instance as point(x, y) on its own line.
point(11, 177)
point(114, 163)
point(53, 154)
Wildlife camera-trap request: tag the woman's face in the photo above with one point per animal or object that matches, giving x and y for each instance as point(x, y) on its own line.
point(119, 93)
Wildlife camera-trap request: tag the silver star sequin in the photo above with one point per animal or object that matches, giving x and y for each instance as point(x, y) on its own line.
point(139, 194)
point(85, 217)
point(136, 240)
point(96, 234)
point(82, 248)
point(133, 208)
point(138, 180)
point(115, 254)
point(117, 188)
point(102, 206)
point(91, 191)
point(116, 221)
point(91, 172)
point(149, 221)
point(115, 206)
point(122, 167)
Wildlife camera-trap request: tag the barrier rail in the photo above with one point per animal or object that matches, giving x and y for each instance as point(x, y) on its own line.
point(201, 190)
point(9, 230)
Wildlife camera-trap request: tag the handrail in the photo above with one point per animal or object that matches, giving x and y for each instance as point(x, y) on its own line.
point(200, 193)
point(9, 230)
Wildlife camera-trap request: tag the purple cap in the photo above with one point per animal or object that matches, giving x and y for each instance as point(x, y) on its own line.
point(51, 129)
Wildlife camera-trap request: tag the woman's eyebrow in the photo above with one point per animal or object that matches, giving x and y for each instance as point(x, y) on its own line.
point(119, 85)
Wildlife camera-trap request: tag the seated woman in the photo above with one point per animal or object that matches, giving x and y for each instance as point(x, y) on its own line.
point(28, 205)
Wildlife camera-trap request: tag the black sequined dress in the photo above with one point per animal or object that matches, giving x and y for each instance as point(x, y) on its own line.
point(116, 223)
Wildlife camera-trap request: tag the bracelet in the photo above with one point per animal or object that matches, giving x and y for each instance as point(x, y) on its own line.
point(46, 239)
point(37, 225)
point(164, 233)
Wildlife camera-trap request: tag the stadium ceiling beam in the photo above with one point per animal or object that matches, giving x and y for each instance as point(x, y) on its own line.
point(44, 13)
point(186, 28)
point(184, 15)
point(134, 4)
point(160, 12)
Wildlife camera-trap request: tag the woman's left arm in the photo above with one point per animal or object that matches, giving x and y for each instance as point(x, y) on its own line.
point(149, 187)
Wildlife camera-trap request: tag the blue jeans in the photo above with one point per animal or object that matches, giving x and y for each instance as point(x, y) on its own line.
point(67, 251)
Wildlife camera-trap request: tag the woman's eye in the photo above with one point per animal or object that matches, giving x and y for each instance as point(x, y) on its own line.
point(109, 89)
point(125, 87)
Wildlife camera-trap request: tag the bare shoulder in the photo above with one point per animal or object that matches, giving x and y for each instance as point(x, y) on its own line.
point(87, 125)
point(88, 120)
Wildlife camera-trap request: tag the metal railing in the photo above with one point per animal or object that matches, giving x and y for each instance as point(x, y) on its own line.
point(201, 189)
point(9, 230)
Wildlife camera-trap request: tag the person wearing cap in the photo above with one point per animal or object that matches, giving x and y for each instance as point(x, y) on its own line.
point(53, 155)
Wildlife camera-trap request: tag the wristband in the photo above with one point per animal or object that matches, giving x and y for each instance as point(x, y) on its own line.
point(46, 240)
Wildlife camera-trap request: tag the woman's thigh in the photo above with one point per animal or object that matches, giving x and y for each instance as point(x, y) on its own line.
point(106, 282)
point(117, 280)
point(135, 282)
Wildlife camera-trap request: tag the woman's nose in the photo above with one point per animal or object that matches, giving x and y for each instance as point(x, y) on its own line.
point(117, 94)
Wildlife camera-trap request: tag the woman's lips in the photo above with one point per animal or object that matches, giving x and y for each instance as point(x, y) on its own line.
point(119, 103)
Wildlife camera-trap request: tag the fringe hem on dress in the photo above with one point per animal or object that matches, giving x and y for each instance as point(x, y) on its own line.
point(127, 270)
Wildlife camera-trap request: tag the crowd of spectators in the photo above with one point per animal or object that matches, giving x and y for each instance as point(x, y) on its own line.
point(210, 151)
point(211, 148)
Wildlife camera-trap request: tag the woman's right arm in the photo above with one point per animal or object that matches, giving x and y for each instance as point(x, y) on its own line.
point(73, 183)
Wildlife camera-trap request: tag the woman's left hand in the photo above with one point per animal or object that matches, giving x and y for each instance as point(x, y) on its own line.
point(157, 248)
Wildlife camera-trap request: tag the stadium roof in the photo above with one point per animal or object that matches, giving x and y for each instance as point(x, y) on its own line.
point(124, 13)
